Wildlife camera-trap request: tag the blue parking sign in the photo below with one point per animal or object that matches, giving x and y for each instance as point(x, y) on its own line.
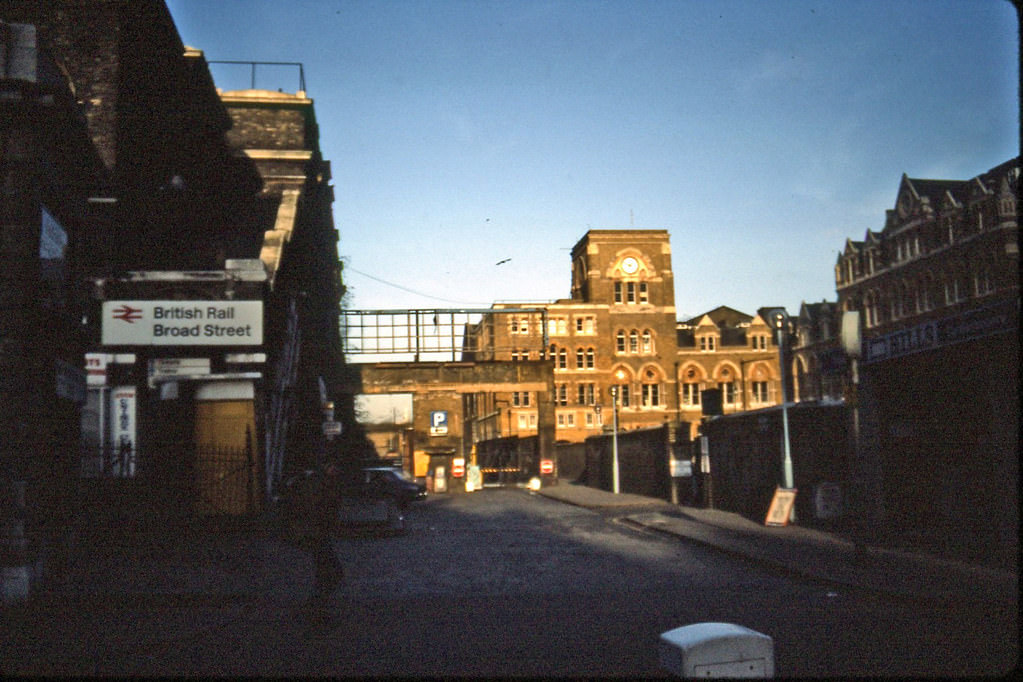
point(438, 423)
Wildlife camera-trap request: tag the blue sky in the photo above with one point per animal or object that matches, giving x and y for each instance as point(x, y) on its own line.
point(760, 134)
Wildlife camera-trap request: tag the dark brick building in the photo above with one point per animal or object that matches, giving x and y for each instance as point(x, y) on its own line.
point(937, 290)
point(130, 186)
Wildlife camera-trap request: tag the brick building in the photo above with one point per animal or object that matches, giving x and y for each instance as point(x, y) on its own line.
point(938, 294)
point(618, 331)
point(820, 366)
point(111, 160)
point(134, 189)
point(729, 351)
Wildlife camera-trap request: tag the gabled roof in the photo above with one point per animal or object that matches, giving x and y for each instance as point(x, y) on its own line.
point(722, 316)
point(810, 313)
point(933, 190)
point(758, 321)
point(940, 194)
point(851, 248)
point(706, 322)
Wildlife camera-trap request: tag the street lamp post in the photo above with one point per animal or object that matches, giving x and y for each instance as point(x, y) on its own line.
point(614, 441)
point(615, 390)
point(779, 321)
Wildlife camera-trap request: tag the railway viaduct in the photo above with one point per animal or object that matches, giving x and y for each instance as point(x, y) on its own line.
point(449, 387)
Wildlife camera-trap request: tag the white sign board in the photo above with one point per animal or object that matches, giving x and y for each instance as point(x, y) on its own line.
point(122, 431)
point(165, 367)
point(182, 323)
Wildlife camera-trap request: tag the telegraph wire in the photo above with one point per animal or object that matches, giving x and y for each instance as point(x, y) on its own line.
point(348, 268)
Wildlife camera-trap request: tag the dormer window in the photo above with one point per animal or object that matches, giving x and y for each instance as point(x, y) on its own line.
point(1007, 205)
point(708, 343)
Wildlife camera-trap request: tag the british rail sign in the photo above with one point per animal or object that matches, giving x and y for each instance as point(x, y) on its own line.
point(182, 323)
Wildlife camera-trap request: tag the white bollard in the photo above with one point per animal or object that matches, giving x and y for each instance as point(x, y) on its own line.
point(717, 650)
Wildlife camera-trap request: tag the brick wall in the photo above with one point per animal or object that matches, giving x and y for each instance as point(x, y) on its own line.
point(642, 462)
point(266, 128)
point(746, 453)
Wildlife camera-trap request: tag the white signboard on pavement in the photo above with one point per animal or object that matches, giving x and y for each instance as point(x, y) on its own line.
point(182, 323)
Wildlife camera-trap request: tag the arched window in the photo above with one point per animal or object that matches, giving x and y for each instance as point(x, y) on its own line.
point(726, 383)
point(907, 306)
point(872, 303)
point(651, 390)
point(634, 341)
point(924, 292)
point(620, 341)
point(982, 281)
point(691, 387)
point(954, 289)
point(647, 342)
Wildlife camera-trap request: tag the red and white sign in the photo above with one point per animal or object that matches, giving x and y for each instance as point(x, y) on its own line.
point(458, 467)
point(96, 369)
point(546, 466)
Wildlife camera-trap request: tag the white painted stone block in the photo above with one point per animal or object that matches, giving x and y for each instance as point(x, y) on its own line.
point(717, 650)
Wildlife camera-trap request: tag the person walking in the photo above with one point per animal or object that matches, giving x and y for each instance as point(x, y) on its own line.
point(321, 506)
point(328, 571)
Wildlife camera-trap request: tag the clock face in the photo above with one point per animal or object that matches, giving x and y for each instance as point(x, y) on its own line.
point(630, 265)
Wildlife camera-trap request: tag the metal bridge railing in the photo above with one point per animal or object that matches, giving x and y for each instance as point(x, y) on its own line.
point(463, 334)
point(254, 65)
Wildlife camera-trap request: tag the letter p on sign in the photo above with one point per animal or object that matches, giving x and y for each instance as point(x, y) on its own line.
point(438, 423)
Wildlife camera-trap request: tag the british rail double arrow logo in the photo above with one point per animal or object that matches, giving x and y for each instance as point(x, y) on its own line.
point(127, 313)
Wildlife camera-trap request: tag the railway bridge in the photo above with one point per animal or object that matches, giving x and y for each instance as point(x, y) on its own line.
point(457, 369)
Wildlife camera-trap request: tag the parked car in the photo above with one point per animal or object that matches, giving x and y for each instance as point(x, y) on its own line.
point(383, 482)
point(379, 498)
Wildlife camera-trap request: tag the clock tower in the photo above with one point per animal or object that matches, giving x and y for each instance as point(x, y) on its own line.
point(624, 268)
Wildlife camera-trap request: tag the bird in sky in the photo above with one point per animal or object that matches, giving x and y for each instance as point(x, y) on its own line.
point(503, 261)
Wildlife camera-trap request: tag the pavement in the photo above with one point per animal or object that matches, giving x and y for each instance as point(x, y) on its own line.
point(828, 557)
point(150, 601)
point(198, 564)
